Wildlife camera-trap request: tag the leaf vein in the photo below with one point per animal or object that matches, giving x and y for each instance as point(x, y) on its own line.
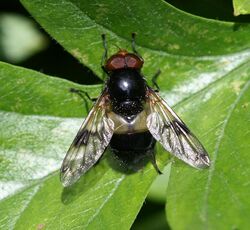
point(106, 200)
point(217, 146)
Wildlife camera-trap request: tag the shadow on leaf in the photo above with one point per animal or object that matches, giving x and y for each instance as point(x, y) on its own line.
point(87, 181)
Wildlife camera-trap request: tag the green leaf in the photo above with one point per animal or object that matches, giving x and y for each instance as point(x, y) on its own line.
point(194, 55)
point(30, 92)
point(216, 198)
point(241, 7)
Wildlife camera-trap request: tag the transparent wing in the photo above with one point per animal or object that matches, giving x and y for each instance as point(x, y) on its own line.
point(89, 143)
point(167, 128)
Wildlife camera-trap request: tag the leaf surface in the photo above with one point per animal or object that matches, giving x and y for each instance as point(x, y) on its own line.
point(241, 7)
point(216, 198)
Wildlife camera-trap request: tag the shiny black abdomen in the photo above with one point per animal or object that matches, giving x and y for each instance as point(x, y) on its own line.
point(127, 90)
point(133, 143)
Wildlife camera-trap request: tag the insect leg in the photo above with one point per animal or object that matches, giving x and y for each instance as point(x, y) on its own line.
point(83, 94)
point(151, 155)
point(104, 56)
point(133, 44)
point(154, 80)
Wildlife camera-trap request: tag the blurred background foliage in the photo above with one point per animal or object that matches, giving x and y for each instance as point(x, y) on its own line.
point(23, 42)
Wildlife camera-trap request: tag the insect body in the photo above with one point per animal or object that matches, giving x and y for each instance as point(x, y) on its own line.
point(127, 90)
point(129, 116)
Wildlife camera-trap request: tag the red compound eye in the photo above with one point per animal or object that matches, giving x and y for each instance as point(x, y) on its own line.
point(133, 61)
point(123, 59)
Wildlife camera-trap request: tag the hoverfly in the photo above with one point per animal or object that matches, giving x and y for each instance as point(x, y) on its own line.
point(130, 117)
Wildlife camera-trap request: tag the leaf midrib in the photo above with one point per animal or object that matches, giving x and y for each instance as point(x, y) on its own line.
point(212, 83)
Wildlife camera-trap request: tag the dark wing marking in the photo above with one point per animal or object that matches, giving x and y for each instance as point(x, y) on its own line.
point(89, 143)
point(167, 128)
